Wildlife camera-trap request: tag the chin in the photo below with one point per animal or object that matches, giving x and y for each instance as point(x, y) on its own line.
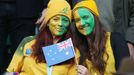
point(59, 34)
point(86, 34)
point(83, 34)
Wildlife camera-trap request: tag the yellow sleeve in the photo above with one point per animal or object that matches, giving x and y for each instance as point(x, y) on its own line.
point(15, 63)
point(18, 57)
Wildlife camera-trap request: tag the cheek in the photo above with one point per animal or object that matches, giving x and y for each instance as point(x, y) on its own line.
point(65, 25)
point(78, 24)
point(51, 28)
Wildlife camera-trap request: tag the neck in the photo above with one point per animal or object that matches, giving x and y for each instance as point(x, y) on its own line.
point(56, 39)
point(88, 39)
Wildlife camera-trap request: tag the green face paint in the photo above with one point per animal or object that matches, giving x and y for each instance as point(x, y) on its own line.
point(84, 21)
point(58, 25)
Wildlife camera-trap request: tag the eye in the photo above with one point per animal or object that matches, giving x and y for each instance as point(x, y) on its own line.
point(85, 17)
point(56, 18)
point(66, 20)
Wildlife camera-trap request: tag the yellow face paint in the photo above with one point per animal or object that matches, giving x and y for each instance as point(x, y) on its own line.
point(58, 25)
point(84, 20)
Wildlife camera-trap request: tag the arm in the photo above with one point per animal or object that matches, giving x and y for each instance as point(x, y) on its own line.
point(17, 60)
point(120, 48)
point(42, 15)
point(15, 63)
point(41, 21)
point(130, 29)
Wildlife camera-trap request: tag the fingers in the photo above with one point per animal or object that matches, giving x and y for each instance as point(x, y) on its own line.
point(81, 70)
point(42, 24)
point(131, 50)
point(41, 21)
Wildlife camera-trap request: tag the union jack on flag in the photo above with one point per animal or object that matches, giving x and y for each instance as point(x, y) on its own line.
point(65, 44)
point(59, 52)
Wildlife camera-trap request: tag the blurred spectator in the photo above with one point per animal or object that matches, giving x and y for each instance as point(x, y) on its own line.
point(118, 16)
point(126, 67)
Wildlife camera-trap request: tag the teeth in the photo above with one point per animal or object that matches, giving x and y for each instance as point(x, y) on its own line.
point(58, 29)
point(84, 27)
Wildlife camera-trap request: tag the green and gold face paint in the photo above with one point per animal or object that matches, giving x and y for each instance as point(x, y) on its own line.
point(84, 20)
point(58, 25)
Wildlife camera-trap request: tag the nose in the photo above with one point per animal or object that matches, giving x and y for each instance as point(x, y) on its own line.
point(60, 23)
point(83, 23)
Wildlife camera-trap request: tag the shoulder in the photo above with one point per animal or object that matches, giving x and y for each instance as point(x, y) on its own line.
point(26, 45)
point(29, 38)
point(26, 40)
point(22, 44)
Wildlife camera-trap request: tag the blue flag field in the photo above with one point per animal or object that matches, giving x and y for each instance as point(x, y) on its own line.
point(59, 52)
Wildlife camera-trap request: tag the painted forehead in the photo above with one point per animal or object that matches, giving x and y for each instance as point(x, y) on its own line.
point(59, 15)
point(83, 11)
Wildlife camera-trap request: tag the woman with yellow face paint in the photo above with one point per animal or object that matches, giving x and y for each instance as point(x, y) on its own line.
point(100, 51)
point(29, 59)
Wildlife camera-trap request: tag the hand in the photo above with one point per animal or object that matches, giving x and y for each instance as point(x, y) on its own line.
point(82, 70)
point(41, 21)
point(131, 50)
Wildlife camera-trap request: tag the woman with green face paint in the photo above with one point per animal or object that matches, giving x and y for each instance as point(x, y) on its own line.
point(58, 25)
point(100, 51)
point(29, 59)
point(84, 20)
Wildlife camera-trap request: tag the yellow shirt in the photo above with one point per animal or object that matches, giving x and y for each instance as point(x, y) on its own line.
point(26, 65)
point(29, 67)
point(110, 64)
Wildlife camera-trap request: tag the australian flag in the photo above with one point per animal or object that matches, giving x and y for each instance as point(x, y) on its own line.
point(59, 52)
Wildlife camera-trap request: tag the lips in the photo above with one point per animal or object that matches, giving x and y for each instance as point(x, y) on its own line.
point(59, 29)
point(84, 28)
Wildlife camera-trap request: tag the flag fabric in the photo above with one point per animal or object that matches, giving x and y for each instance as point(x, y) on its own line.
point(59, 52)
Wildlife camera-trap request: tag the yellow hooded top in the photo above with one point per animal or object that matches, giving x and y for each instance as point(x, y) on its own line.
point(23, 63)
point(110, 63)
